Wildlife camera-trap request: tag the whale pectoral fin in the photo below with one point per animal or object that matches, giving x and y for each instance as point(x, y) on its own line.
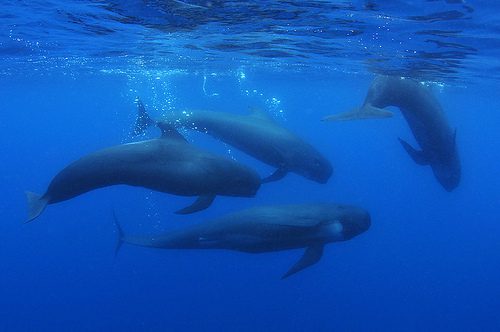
point(143, 121)
point(310, 257)
point(277, 175)
point(201, 203)
point(418, 156)
point(366, 112)
point(36, 205)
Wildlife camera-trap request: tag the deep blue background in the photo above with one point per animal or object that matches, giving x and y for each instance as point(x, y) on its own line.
point(428, 263)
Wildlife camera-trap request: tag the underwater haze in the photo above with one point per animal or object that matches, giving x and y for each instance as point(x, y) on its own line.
point(70, 75)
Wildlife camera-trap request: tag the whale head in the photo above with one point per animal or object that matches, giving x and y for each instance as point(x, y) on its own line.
point(448, 175)
point(315, 167)
point(353, 220)
point(238, 180)
point(447, 168)
point(343, 222)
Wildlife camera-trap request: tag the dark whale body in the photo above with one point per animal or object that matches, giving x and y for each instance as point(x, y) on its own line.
point(266, 229)
point(255, 134)
point(427, 121)
point(168, 164)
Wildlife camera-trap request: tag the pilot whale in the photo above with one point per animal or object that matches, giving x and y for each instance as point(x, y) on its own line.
point(266, 229)
point(426, 119)
point(255, 134)
point(168, 164)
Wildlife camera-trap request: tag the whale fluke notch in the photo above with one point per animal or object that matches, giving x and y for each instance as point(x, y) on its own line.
point(365, 112)
point(143, 120)
point(279, 174)
point(36, 205)
point(310, 257)
point(418, 156)
point(200, 204)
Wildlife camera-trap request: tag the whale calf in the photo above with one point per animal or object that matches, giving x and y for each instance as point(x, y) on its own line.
point(267, 229)
point(168, 164)
point(426, 119)
point(255, 134)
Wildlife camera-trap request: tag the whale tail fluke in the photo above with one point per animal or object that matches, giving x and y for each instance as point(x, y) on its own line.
point(143, 120)
point(141, 241)
point(121, 235)
point(36, 205)
point(365, 112)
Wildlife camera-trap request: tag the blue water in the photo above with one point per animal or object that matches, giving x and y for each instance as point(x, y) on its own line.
point(69, 74)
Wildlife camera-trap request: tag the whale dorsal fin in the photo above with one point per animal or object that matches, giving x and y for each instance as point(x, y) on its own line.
point(367, 111)
point(143, 120)
point(169, 132)
point(418, 156)
point(311, 256)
